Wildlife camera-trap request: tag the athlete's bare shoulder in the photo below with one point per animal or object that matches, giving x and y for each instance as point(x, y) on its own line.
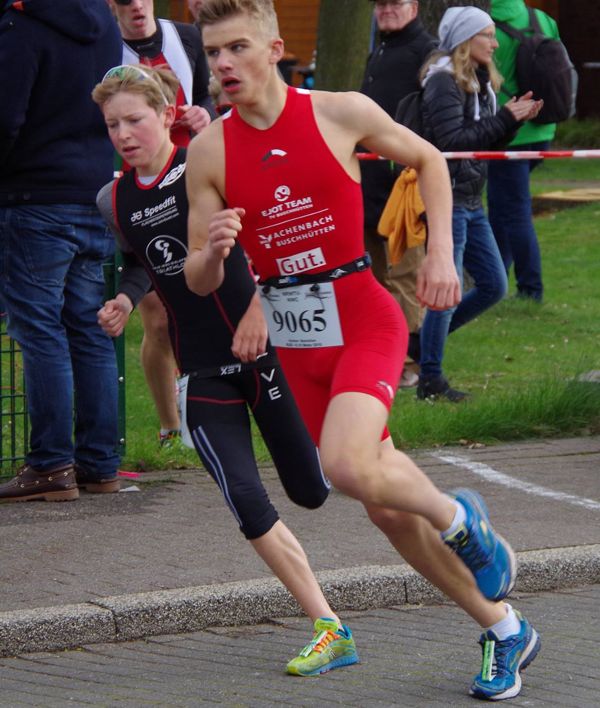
point(209, 140)
point(349, 109)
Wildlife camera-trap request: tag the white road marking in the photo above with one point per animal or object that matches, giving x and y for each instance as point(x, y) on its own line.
point(491, 475)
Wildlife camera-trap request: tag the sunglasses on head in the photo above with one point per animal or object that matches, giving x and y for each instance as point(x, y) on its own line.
point(128, 72)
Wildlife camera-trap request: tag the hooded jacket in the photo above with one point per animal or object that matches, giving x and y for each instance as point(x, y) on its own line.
point(514, 13)
point(456, 120)
point(54, 147)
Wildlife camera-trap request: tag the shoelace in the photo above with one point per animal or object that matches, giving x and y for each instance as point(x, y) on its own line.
point(319, 642)
point(489, 667)
point(473, 553)
point(495, 657)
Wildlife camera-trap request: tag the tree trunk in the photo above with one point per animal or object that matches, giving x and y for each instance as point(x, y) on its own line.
point(431, 11)
point(342, 44)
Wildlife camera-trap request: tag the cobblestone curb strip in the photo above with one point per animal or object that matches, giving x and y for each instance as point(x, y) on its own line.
point(135, 616)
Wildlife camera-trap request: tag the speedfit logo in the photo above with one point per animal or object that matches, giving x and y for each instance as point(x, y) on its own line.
point(301, 262)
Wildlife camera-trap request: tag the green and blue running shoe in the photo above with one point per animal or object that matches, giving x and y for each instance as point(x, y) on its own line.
point(330, 648)
point(502, 660)
point(487, 555)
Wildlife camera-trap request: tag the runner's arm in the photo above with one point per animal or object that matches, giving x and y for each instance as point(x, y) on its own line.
point(212, 230)
point(438, 286)
point(134, 281)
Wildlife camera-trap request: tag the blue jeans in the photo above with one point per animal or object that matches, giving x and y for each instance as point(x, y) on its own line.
point(476, 250)
point(52, 282)
point(511, 218)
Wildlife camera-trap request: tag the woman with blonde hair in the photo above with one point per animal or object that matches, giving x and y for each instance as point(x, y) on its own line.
point(459, 113)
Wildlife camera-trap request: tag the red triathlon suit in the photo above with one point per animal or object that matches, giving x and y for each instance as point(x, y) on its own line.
point(304, 217)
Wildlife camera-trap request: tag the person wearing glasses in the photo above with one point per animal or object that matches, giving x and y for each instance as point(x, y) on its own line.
point(54, 156)
point(460, 113)
point(155, 42)
point(279, 173)
point(220, 343)
point(392, 73)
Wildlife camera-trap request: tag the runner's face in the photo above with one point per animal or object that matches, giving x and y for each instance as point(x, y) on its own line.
point(136, 20)
point(240, 56)
point(139, 134)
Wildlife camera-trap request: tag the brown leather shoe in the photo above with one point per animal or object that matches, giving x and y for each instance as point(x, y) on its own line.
point(57, 484)
point(96, 485)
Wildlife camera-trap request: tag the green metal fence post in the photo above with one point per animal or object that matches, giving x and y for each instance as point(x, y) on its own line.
point(111, 278)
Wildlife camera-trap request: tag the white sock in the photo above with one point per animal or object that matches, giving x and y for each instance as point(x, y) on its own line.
point(508, 626)
point(460, 517)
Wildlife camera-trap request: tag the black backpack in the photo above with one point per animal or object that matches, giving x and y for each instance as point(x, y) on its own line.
point(409, 113)
point(544, 67)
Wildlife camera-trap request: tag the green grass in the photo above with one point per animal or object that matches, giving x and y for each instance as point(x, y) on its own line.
point(520, 361)
point(577, 133)
point(565, 173)
point(559, 173)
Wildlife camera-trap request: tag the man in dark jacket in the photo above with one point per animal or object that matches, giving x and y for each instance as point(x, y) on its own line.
point(391, 74)
point(54, 156)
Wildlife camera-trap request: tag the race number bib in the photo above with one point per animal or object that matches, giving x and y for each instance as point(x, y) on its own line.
point(302, 317)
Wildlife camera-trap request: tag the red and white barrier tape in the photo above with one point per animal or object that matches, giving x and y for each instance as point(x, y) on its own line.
point(502, 155)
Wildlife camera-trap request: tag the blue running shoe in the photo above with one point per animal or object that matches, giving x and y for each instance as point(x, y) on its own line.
point(502, 660)
point(487, 555)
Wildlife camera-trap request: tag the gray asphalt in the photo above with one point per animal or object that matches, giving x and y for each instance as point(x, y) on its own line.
point(163, 561)
point(410, 656)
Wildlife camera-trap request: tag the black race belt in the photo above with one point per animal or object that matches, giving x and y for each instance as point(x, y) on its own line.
point(266, 360)
point(326, 276)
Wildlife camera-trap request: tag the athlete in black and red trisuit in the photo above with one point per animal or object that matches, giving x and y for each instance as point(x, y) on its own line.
point(220, 341)
point(153, 41)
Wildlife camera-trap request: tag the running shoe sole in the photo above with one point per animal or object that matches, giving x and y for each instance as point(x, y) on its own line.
point(335, 664)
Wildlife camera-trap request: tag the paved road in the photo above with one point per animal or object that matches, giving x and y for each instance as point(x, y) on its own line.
point(169, 558)
point(410, 656)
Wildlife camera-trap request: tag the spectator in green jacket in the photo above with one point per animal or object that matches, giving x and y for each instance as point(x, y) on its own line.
point(509, 198)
